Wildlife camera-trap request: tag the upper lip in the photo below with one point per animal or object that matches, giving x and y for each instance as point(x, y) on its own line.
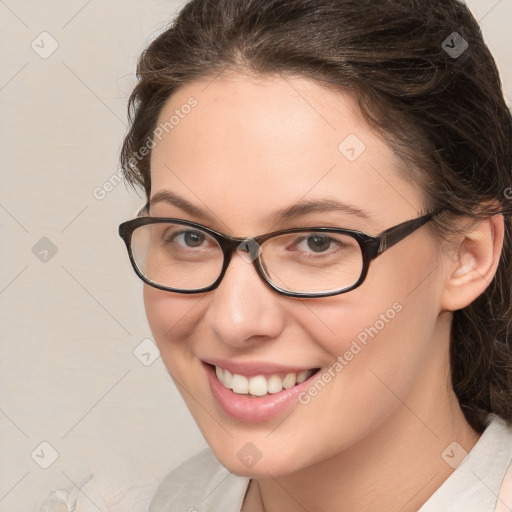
point(253, 368)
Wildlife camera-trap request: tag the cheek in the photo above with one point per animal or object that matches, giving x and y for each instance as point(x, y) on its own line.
point(374, 349)
point(378, 356)
point(172, 319)
point(381, 325)
point(380, 338)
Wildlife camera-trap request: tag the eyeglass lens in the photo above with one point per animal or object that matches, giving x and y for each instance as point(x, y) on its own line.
point(186, 258)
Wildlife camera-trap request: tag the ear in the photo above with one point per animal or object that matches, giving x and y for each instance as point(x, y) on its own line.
point(474, 262)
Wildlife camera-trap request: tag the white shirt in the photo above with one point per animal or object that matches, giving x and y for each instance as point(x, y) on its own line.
point(481, 483)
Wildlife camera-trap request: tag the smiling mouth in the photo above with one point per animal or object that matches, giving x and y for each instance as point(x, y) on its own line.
point(261, 385)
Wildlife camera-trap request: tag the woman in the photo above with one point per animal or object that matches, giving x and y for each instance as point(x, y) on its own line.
point(326, 248)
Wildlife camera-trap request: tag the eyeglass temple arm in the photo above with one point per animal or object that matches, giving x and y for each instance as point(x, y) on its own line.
point(393, 235)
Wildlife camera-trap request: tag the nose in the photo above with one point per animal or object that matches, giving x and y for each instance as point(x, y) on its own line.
point(243, 308)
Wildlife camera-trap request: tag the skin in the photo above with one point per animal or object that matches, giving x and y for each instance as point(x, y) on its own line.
point(372, 439)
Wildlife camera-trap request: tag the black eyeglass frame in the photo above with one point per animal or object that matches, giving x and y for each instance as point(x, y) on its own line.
point(371, 247)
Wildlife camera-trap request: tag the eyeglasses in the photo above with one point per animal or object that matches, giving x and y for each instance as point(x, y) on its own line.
point(185, 257)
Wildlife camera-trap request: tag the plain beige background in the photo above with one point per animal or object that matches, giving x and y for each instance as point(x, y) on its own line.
point(71, 312)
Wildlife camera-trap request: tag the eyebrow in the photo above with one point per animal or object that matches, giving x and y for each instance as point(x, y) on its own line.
point(294, 211)
point(164, 196)
point(324, 205)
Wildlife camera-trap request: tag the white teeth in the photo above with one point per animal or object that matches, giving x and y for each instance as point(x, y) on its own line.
point(227, 380)
point(289, 381)
point(302, 376)
point(274, 384)
point(240, 384)
point(259, 385)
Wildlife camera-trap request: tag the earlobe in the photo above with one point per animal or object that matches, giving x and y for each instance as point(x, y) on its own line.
point(471, 272)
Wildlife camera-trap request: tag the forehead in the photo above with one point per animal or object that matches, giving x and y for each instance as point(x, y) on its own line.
point(243, 147)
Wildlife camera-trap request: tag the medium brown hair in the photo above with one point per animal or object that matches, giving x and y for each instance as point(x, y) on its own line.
point(442, 111)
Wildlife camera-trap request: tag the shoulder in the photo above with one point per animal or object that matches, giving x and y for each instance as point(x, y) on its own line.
point(192, 474)
point(479, 482)
point(116, 485)
point(504, 502)
point(200, 483)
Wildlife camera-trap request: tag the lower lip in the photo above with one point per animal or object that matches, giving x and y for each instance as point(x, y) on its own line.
point(253, 409)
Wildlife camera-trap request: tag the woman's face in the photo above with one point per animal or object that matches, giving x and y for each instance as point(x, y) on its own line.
point(249, 149)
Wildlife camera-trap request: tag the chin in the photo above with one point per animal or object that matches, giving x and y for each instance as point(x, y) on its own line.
point(257, 468)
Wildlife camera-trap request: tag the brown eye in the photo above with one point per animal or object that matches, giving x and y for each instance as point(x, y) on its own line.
point(193, 238)
point(318, 243)
point(187, 238)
